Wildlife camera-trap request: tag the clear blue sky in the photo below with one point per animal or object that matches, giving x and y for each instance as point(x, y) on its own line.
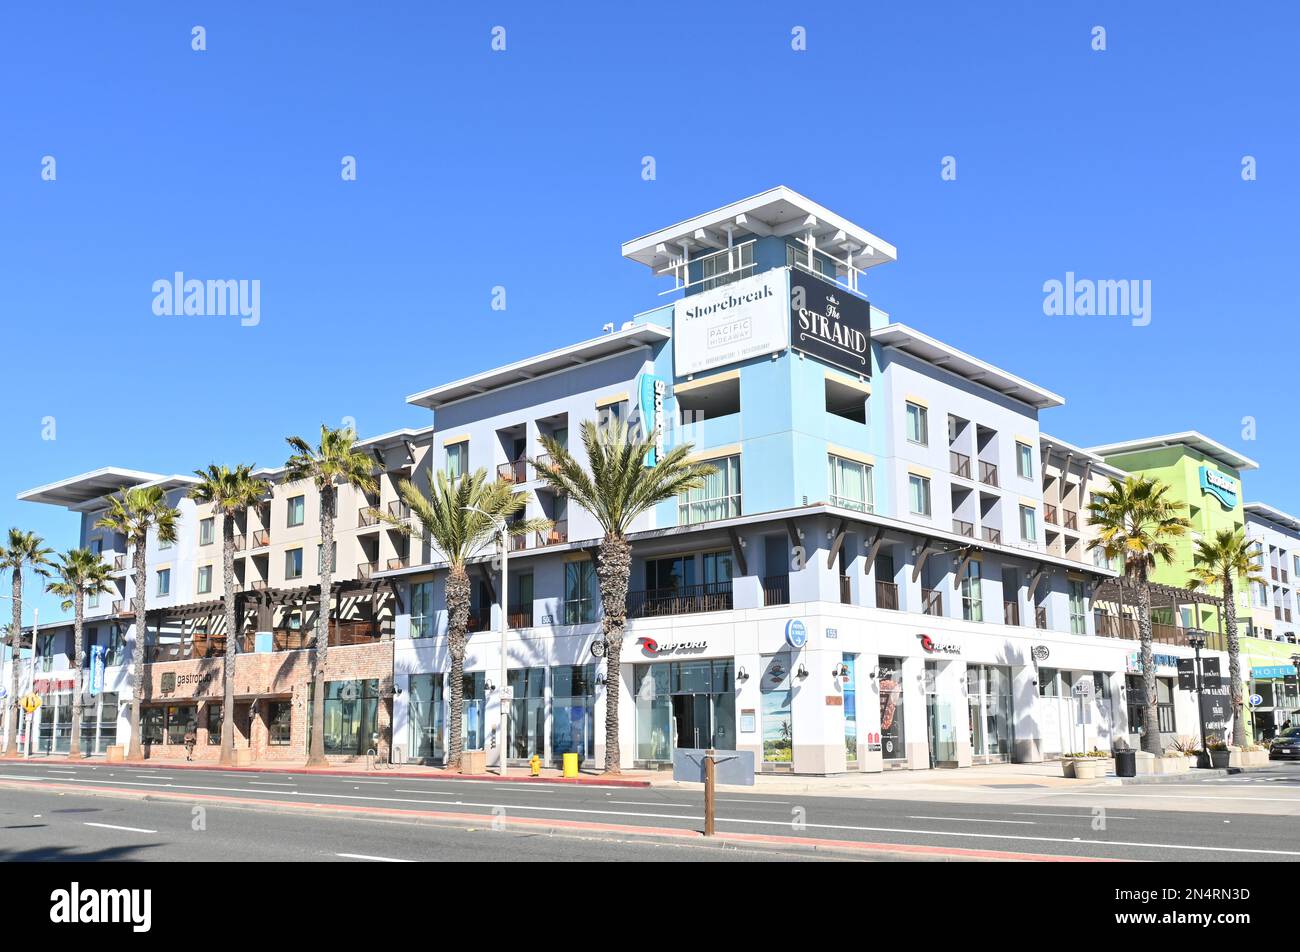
point(522, 169)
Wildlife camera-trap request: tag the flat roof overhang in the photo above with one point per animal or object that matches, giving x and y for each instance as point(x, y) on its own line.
point(923, 347)
point(778, 211)
point(585, 352)
point(1265, 511)
point(1189, 438)
point(78, 490)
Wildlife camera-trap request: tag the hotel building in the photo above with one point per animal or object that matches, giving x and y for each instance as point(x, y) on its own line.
point(880, 573)
point(1270, 647)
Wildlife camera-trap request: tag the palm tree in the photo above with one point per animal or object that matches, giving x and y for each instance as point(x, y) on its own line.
point(1137, 522)
point(1222, 561)
point(132, 513)
point(618, 488)
point(230, 493)
point(460, 517)
point(23, 550)
point(334, 462)
point(79, 573)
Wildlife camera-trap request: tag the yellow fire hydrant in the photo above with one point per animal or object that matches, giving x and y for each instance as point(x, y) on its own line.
point(535, 764)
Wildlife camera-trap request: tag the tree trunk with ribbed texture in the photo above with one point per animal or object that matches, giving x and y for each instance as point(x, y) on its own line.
point(1150, 722)
point(78, 651)
point(457, 599)
point(15, 650)
point(1234, 661)
point(613, 571)
point(316, 755)
point(233, 631)
point(136, 749)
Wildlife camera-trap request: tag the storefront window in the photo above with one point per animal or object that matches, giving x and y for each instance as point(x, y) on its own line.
point(180, 719)
point(214, 725)
point(851, 708)
point(696, 697)
point(527, 712)
point(573, 711)
point(279, 721)
point(351, 715)
point(151, 725)
point(427, 716)
point(475, 683)
point(1137, 702)
point(776, 691)
point(107, 721)
point(892, 746)
point(988, 690)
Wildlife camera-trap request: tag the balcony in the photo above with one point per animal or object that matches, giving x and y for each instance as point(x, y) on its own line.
point(1011, 613)
point(992, 535)
point(518, 541)
point(521, 616)
point(684, 600)
point(367, 569)
point(887, 595)
point(261, 538)
point(239, 542)
point(1049, 514)
point(1070, 519)
point(399, 510)
point(963, 528)
point(1040, 617)
point(480, 619)
point(515, 471)
point(119, 563)
point(776, 590)
point(846, 590)
point(341, 634)
point(988, 473)
point(367, 517)
point(555, 535)
point(959, 464)
point(932, 602)
point(122, 607)
point(260, 585)
point(1273, 571)
point(400, 562)
point(542, 462)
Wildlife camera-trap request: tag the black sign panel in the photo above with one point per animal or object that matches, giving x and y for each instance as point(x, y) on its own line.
point(830, 323)
point(1211, 678)
point(1215, 710)
point(1187, 674)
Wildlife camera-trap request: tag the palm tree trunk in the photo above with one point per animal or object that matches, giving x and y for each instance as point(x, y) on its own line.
point(78, 647)
point(15, 650)
point(316, 755)
point(136, 748)
point(614, 570)
point(1150, 722)
point(1234, 662)
point(233, 631)
point(457, 599)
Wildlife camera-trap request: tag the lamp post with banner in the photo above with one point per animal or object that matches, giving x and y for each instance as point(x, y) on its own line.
point(1196, 638)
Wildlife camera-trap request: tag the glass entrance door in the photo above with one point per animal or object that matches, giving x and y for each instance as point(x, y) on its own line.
point(689, 704)
point(694, 720)
point(939, 717)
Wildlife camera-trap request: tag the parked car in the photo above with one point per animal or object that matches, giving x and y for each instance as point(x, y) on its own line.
point(1286, 745)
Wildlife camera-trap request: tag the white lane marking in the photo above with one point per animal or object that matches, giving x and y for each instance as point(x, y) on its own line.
point(382, 783)
point(272, 783)
point(1074, 816)
point(778, 803)
point(129, 829)
point(972, 819)
point(374, 859)
point(780, 823)
point(425, 792)
point(646, 803)
point(1166, 796)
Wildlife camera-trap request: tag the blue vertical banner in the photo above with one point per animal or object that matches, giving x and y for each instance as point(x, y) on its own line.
point(96, 669)
point(651, 410)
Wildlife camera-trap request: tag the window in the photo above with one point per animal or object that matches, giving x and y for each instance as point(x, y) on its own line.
point(671, 574)
point(422, 618)
point(1024, 460)
point(351, 715)
point(918, 425)
point(457, 459)
point(918, 488)
point(718, 569)
point(579, 592)
point(724, 267)
point(214, 724)
point(718, 498)
point(205, 579)
point(573, 711)
point(972, 602)
point(1078, 624)
point(206, 527)
point(151, 725)
point(297, 510)
point(164, 582)
point(611, 414)
point(97, 546)
point(293, 563)
point(92, 599)
point(279, 720)
point(850, 484)
point(1028, 524)
point(181, 719)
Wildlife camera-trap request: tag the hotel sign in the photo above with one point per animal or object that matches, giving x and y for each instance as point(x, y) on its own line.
point(830, 323)
point(729, 324)
point(1222, 488)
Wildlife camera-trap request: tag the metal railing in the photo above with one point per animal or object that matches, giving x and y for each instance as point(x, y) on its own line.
point(513, 471)
point(1070, 519)
point(400, 562)
point(846, 590)
point(992, 535)
point(520, 616)
point(959, 464)
point(988, 473)
point(480, 619)
point(119, 563)
point(367, 569)
point(1040, 617)
point(366, 517)
point(887, 595)
point(1011, 613)
point(682, 600)
point(399, 510)
point(556, 534)
point(776, 590)
point(932, 602)
point(1049, 514)
point(261, 538)
point(963, 528)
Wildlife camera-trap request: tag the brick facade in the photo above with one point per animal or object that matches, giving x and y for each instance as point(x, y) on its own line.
point(268, 676)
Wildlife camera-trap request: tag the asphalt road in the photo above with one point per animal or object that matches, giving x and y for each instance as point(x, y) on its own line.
point(51, 810)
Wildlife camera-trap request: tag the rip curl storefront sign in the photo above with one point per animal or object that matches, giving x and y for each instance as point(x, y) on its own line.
point(830, 323)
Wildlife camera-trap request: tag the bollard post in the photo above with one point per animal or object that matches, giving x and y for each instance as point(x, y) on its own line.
point(709, 780)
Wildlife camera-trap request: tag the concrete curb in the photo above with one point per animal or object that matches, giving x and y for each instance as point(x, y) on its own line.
point(1196, 773)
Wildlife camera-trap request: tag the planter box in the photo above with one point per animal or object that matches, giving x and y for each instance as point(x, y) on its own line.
point(1220, 758)
point(1173, 765)
point(115, 754)
point(1254, 758)
point(473, 762)
point(1088, 768)
point(1067, 767)
point(243, 757)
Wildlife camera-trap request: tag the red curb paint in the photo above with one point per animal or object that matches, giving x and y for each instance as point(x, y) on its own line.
point(590, 827)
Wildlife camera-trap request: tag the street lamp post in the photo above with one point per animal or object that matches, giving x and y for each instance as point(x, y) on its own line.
point(1295, 663)
point(502, 693)
point(1196, 638)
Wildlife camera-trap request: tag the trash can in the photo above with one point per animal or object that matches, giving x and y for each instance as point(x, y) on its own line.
point(571, 765)
point(1126, 763)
